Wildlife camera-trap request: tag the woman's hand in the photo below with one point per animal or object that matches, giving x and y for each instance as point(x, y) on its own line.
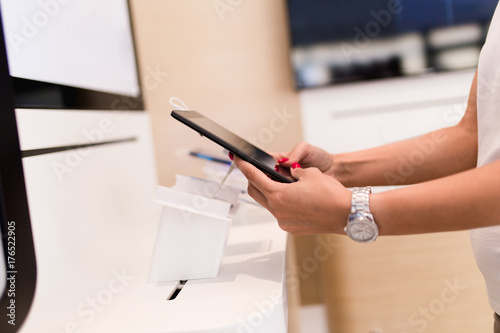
point(307, 156)
point(315, 204)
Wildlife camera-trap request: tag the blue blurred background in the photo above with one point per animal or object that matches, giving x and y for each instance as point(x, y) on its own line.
point(350, 40)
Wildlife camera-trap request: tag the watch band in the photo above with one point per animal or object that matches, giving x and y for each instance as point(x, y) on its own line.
point(361, 226)
point(360, 199)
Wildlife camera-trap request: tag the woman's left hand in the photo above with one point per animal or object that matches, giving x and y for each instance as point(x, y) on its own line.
point(314, 204)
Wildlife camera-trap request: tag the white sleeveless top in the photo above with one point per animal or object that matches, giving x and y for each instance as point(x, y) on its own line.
point(486, 241)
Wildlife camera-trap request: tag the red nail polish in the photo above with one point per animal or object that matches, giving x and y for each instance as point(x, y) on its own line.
point(296, 165)
point(277, 169)
point(283, 160)
point(231, 156)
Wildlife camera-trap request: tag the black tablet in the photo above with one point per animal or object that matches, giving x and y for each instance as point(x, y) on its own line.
point(241, 148)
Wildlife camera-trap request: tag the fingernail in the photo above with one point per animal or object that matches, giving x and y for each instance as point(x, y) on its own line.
point(277, 169)
point(296, 165)
point(283, 160)
point(231, 156)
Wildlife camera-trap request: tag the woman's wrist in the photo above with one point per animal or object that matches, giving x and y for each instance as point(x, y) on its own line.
point(377, 204)
point(343, 211)
point(339, 169)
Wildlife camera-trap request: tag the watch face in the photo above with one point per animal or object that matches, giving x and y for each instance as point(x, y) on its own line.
point(362, 229)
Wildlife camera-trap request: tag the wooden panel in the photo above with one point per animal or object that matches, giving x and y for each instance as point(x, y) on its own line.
point(309, 271)
point(293, 290)
point(423, 283)
point(229, 62)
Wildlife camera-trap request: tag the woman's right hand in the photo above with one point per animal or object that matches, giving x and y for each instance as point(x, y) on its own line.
point(308, 156)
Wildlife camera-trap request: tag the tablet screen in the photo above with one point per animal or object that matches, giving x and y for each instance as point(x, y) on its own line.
point(230, 141)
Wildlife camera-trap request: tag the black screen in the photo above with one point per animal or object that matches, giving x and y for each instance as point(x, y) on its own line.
point(230, 141)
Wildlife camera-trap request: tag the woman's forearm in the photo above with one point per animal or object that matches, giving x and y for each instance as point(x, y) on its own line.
point(437, 154)
point(431, 156)
point(463, 201)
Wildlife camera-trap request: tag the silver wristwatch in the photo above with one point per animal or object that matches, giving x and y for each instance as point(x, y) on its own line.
point(361, 226)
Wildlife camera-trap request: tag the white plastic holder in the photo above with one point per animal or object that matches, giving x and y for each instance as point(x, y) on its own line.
point(193, 230)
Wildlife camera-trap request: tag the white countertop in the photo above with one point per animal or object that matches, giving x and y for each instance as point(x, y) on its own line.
point(246, 296)
point(248, 290)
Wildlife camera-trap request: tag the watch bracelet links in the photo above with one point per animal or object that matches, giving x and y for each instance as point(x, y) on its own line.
point(360, 199)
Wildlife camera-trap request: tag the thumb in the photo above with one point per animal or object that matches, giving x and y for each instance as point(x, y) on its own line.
point(296, 171)
point(297, 154)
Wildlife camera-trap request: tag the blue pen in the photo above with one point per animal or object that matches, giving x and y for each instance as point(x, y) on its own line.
point(210, 158)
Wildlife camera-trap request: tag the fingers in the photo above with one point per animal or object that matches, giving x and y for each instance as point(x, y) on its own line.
point(308, 173)
point(257, 195)
point(296, 171)
point(296, 155)
point(258, 178)
point(258, 182)
point(299, 152)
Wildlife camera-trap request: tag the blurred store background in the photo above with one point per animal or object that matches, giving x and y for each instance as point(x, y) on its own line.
point(351, 40)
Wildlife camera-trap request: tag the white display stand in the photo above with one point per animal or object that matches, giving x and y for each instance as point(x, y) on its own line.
point(95, 223)
point(248, 295)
